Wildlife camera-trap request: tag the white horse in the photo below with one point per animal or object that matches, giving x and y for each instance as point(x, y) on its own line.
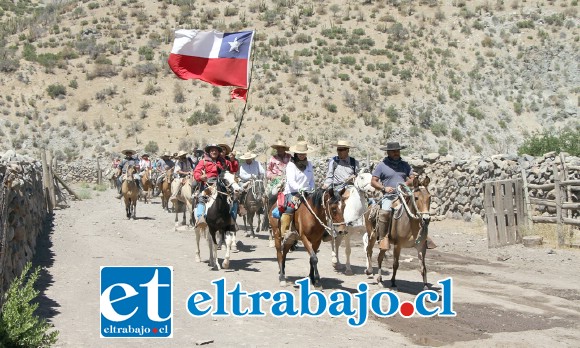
point(228, 179)
point(355, 207)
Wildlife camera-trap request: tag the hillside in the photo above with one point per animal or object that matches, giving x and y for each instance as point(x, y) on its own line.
point(464, 77)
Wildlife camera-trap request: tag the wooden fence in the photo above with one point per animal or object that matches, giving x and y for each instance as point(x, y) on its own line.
point(504, 211)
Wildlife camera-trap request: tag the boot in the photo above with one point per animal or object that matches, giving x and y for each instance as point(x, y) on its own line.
point(383, 229)
point(285, 221)
point(200, 215)
point(173, 197)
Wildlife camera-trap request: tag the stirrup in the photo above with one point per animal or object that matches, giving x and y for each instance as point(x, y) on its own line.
point(288, 235)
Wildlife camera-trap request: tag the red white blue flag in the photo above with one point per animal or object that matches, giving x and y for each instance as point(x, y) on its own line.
point(221, 59)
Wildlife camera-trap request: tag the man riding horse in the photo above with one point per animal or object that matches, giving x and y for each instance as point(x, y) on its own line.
point(129, 160)
point(162, 165)
point(206, 172)
point(250, 169)
point(276, 168)
point(183, 168)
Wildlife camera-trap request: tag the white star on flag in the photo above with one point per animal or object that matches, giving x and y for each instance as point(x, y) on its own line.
point(235, 45)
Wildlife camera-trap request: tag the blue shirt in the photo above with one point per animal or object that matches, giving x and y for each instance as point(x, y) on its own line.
point(392, 173)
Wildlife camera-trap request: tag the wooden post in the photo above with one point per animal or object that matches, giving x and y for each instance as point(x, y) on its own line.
point(66, 187)
point(99, 173)
point(567, 192)
point(45, 182)
point(528, 209)
point(51, 190)
point(558, 193)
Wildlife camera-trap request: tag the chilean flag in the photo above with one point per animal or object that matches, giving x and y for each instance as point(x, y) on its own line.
point(221, 59)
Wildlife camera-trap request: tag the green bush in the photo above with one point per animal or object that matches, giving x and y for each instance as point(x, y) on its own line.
point(438, 129)
point(151, 147)
point(56, 90)
point(147, 52)
point(538, 144)
point(285, 119)
point(210, 115)
point(19, 327)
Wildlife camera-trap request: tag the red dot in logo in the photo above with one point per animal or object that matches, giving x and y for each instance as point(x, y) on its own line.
point(407, 309)
point(155, 330)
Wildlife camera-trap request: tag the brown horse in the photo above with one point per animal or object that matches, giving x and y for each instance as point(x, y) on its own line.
point(147, 184)
point(166, 189)
point(310, 220)
point(183, 197)
point(130, 192)
point(409, 228)
point(252, 201)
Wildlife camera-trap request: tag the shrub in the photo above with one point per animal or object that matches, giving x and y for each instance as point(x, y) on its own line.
point(151, 147)
point(56, 90)
point(84, 105)
point(19, 327)
point(456, 134)
point(285, 119)
point(540, 143)
point(438, 129)
point(147, 52)
point(210, 115)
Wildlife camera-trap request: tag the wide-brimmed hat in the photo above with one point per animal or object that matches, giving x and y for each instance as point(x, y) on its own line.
point(341, 144)
point(128, 152)
point(181, 154)
point(280, 143)
point(393, 146)
point(226, 147)
point(209, 146)
point(145, 155)
point(248, 155)
point(301, 147)
point(166, 154)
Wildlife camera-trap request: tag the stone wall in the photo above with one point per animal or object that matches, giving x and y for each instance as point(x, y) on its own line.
point(22, 214)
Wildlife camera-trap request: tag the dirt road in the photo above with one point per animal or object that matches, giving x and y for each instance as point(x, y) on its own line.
point(513, 296)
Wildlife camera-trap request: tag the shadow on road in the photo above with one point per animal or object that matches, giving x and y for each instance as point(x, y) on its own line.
point(44, 257)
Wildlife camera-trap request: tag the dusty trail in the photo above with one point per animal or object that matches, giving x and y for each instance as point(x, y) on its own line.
point(532, 298)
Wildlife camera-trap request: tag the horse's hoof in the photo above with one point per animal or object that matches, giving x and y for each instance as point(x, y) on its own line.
point(283, 283)
point(225, 264)
point(247, 234)
point(379, 279)
point(368, 272)
point(426, 287)
point(317, 286)
point(348, 272)
point(197, 258)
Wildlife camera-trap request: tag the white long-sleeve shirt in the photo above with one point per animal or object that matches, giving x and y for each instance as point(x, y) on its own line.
point(297, 179)
point(254, 168)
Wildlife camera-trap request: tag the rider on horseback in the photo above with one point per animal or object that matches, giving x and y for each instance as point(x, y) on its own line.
point(342, 169)
point(299, 178)
point(206, 172)
point(277, 165)
point(250, 169)
point(162, 165)
point(122, 169)
point(387, 175)
point(183, 168)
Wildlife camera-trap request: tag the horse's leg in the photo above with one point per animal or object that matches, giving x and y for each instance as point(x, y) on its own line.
point(396, 254)
point(382, 253)
point(314, 276)
point(335, 251)
point(369, 244)
point(258, 227)
point(197, 237)
point(229, 240)
point(213, 261)
point(421, 251)
point(134, 209)
point(247, 234)
point(348, 270)
point(251, 221)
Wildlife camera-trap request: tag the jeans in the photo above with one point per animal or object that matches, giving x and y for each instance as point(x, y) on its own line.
point(387, 201)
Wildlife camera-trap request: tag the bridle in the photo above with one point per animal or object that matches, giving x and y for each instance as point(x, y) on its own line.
point(404, 191)
point(326, 209)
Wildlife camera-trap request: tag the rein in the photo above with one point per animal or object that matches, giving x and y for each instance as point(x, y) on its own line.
point(326, 213)
point(404, 191)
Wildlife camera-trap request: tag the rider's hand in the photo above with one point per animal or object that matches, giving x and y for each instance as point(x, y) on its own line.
point(203, 177)
point(388, 189)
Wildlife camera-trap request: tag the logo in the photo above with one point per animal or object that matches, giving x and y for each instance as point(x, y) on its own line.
point(136, 302)
point(354, 307)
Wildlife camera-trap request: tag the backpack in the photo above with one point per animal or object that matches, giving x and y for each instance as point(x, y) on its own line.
point(335, 160)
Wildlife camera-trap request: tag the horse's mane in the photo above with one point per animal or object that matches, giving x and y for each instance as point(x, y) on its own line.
point(318, 196)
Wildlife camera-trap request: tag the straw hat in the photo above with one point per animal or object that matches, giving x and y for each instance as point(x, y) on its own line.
point(128, 152)
point(341, 144)
point(208, 147)
point(181, 153)
point(166, 154)
point(145, 155)
point(226, 147)
point(248, 155)
point(393, 146)
point(301, 147)
point(280, 143)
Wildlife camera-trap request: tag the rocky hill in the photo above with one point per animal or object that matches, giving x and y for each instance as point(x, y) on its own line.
point(88, 78)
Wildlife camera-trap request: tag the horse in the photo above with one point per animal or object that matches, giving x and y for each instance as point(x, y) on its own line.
point(310, 221)
point(147, 183)
point(409, 228)
point(268, 199)
point(130, 192)
point(166, 189)
point(218, 218)
point(252, 201)
point(183, 197)
point(355, 207)
point(111, 175)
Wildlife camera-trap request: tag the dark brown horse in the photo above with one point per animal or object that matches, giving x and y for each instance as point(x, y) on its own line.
point(253, 202)
point(317, 211)
point(409, 228)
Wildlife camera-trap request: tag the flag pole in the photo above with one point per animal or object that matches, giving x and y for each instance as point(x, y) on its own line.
point(247, 93)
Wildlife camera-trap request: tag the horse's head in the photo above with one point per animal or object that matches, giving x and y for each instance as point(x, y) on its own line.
point(230, 181)
point(363, 183)
point(335, 205)
point(130, 173)
point(422, 198)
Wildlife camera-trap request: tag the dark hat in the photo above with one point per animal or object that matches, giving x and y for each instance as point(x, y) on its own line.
point(392, 146)
point(226, 148)
point(209, 146)
point(128, 152)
